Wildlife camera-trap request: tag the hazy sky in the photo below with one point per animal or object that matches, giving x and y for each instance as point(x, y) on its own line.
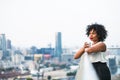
point(35, 22)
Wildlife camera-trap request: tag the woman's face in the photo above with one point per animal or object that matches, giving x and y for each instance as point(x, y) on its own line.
point(93, 36)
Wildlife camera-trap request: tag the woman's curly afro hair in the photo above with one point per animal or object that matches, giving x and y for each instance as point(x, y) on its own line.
point(100, 30)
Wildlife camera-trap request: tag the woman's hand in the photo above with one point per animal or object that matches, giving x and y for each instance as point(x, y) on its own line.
point(86, 45)
point(81, 50)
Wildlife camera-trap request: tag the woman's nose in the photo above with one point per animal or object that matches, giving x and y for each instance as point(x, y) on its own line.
point(90, 35)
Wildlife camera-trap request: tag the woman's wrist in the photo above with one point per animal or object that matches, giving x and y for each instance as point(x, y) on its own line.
point(86, 49)
point(83, 48)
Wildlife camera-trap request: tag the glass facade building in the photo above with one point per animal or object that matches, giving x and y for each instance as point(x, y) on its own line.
point(58, 46)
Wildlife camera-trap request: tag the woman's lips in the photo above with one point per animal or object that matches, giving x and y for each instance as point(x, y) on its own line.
point(91, 38)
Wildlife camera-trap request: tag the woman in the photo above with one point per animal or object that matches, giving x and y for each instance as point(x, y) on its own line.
point(96, 51)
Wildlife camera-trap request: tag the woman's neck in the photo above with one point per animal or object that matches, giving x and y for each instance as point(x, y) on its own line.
point(95, 42)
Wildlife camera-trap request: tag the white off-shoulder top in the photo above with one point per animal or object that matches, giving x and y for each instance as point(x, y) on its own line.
point(98, 57)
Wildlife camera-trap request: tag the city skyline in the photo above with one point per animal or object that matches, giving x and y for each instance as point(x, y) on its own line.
point(34, 23)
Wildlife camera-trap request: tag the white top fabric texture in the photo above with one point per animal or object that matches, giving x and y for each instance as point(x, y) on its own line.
point(98, 57)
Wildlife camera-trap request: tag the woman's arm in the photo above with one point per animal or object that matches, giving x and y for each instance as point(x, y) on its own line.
point(81, 51)
point(98, 47)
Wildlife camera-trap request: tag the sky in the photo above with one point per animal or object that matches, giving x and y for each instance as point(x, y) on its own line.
point(35, 22)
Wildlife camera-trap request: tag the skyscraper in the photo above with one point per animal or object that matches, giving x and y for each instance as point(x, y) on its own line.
point(0, 43)
point(8, 44)
point(58, 46)
point(3, 45)
point(3, 42)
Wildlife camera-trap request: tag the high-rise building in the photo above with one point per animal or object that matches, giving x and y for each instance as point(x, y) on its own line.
point(0, 43)
point(3, 46)
point(8, 44)
point(58, 46)
point(3, 42)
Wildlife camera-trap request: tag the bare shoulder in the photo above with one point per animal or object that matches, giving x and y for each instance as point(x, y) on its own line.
point(98, 47)
point(101, 44)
